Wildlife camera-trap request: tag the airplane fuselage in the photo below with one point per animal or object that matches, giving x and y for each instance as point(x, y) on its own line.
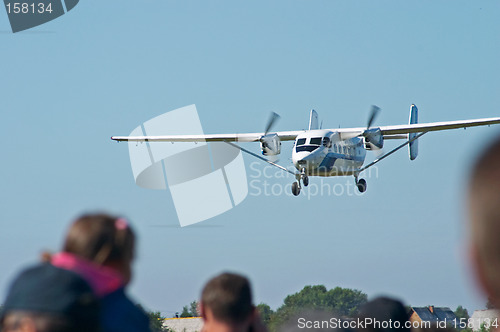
point(324, 153)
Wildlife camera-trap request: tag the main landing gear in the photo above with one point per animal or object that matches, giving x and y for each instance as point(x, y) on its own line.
point(296, 188)
point(296, 185)
point(361, 184)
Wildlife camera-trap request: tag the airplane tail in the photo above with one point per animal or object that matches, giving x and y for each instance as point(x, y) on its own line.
point(313, 120)
point(413, 146)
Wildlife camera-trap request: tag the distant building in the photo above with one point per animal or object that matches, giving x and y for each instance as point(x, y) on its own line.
point(485, 317)
point(433, 315)
point(188, 324)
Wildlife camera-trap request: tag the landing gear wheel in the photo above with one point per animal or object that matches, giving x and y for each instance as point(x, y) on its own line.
point(305, 180)
point(295, 189)
point(361, 185)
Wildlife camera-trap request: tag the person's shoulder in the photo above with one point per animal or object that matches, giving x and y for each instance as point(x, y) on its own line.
point(121, 314)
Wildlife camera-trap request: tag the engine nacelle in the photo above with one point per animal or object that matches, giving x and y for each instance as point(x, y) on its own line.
point(270, 145)
point(373, 139)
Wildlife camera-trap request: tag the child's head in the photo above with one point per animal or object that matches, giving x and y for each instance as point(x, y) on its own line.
point(104, 240)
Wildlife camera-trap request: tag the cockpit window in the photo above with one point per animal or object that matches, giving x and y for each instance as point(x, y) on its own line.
point(301, 141)
point(327, 142)
point(315, 141)
point(308, 148)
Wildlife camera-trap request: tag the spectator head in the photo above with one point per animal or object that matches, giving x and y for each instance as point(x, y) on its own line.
point(484, 217)
point(45, 298)
point(226, 300)
point(384, 309)
point(103, 239)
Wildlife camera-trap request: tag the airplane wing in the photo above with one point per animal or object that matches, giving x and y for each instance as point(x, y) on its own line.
point(395, 132)
point(389, 132)
point(249, 137)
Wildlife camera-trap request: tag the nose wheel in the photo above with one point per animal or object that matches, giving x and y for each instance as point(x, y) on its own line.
point(296, 185)
point(361, 184)
point(304, 177)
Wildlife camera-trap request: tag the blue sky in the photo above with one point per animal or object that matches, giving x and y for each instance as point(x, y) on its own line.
point(103, 69)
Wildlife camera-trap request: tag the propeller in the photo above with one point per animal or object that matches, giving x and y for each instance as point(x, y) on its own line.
point(273, 117)
point(372, 134)
point(373, 115)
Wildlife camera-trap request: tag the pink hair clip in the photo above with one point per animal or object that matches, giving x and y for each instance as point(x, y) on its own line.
point(121, 223)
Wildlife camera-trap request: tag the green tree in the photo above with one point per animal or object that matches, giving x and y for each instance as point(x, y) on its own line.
point(193, 309)
point(265, 313)
point(156, 321)
point(190, 311)
point(461, 312)
point(345, 301)
point(483, 328)
point(310, 297)
point(185, 312)
point(339, 301)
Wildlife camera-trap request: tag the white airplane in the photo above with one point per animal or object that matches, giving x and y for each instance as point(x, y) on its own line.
point(327, 152)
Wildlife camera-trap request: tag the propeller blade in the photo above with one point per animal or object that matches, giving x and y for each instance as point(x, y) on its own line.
point(270, 123)
point(373, 114)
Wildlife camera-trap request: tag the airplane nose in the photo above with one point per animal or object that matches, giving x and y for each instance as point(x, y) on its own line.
point(301, 159)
